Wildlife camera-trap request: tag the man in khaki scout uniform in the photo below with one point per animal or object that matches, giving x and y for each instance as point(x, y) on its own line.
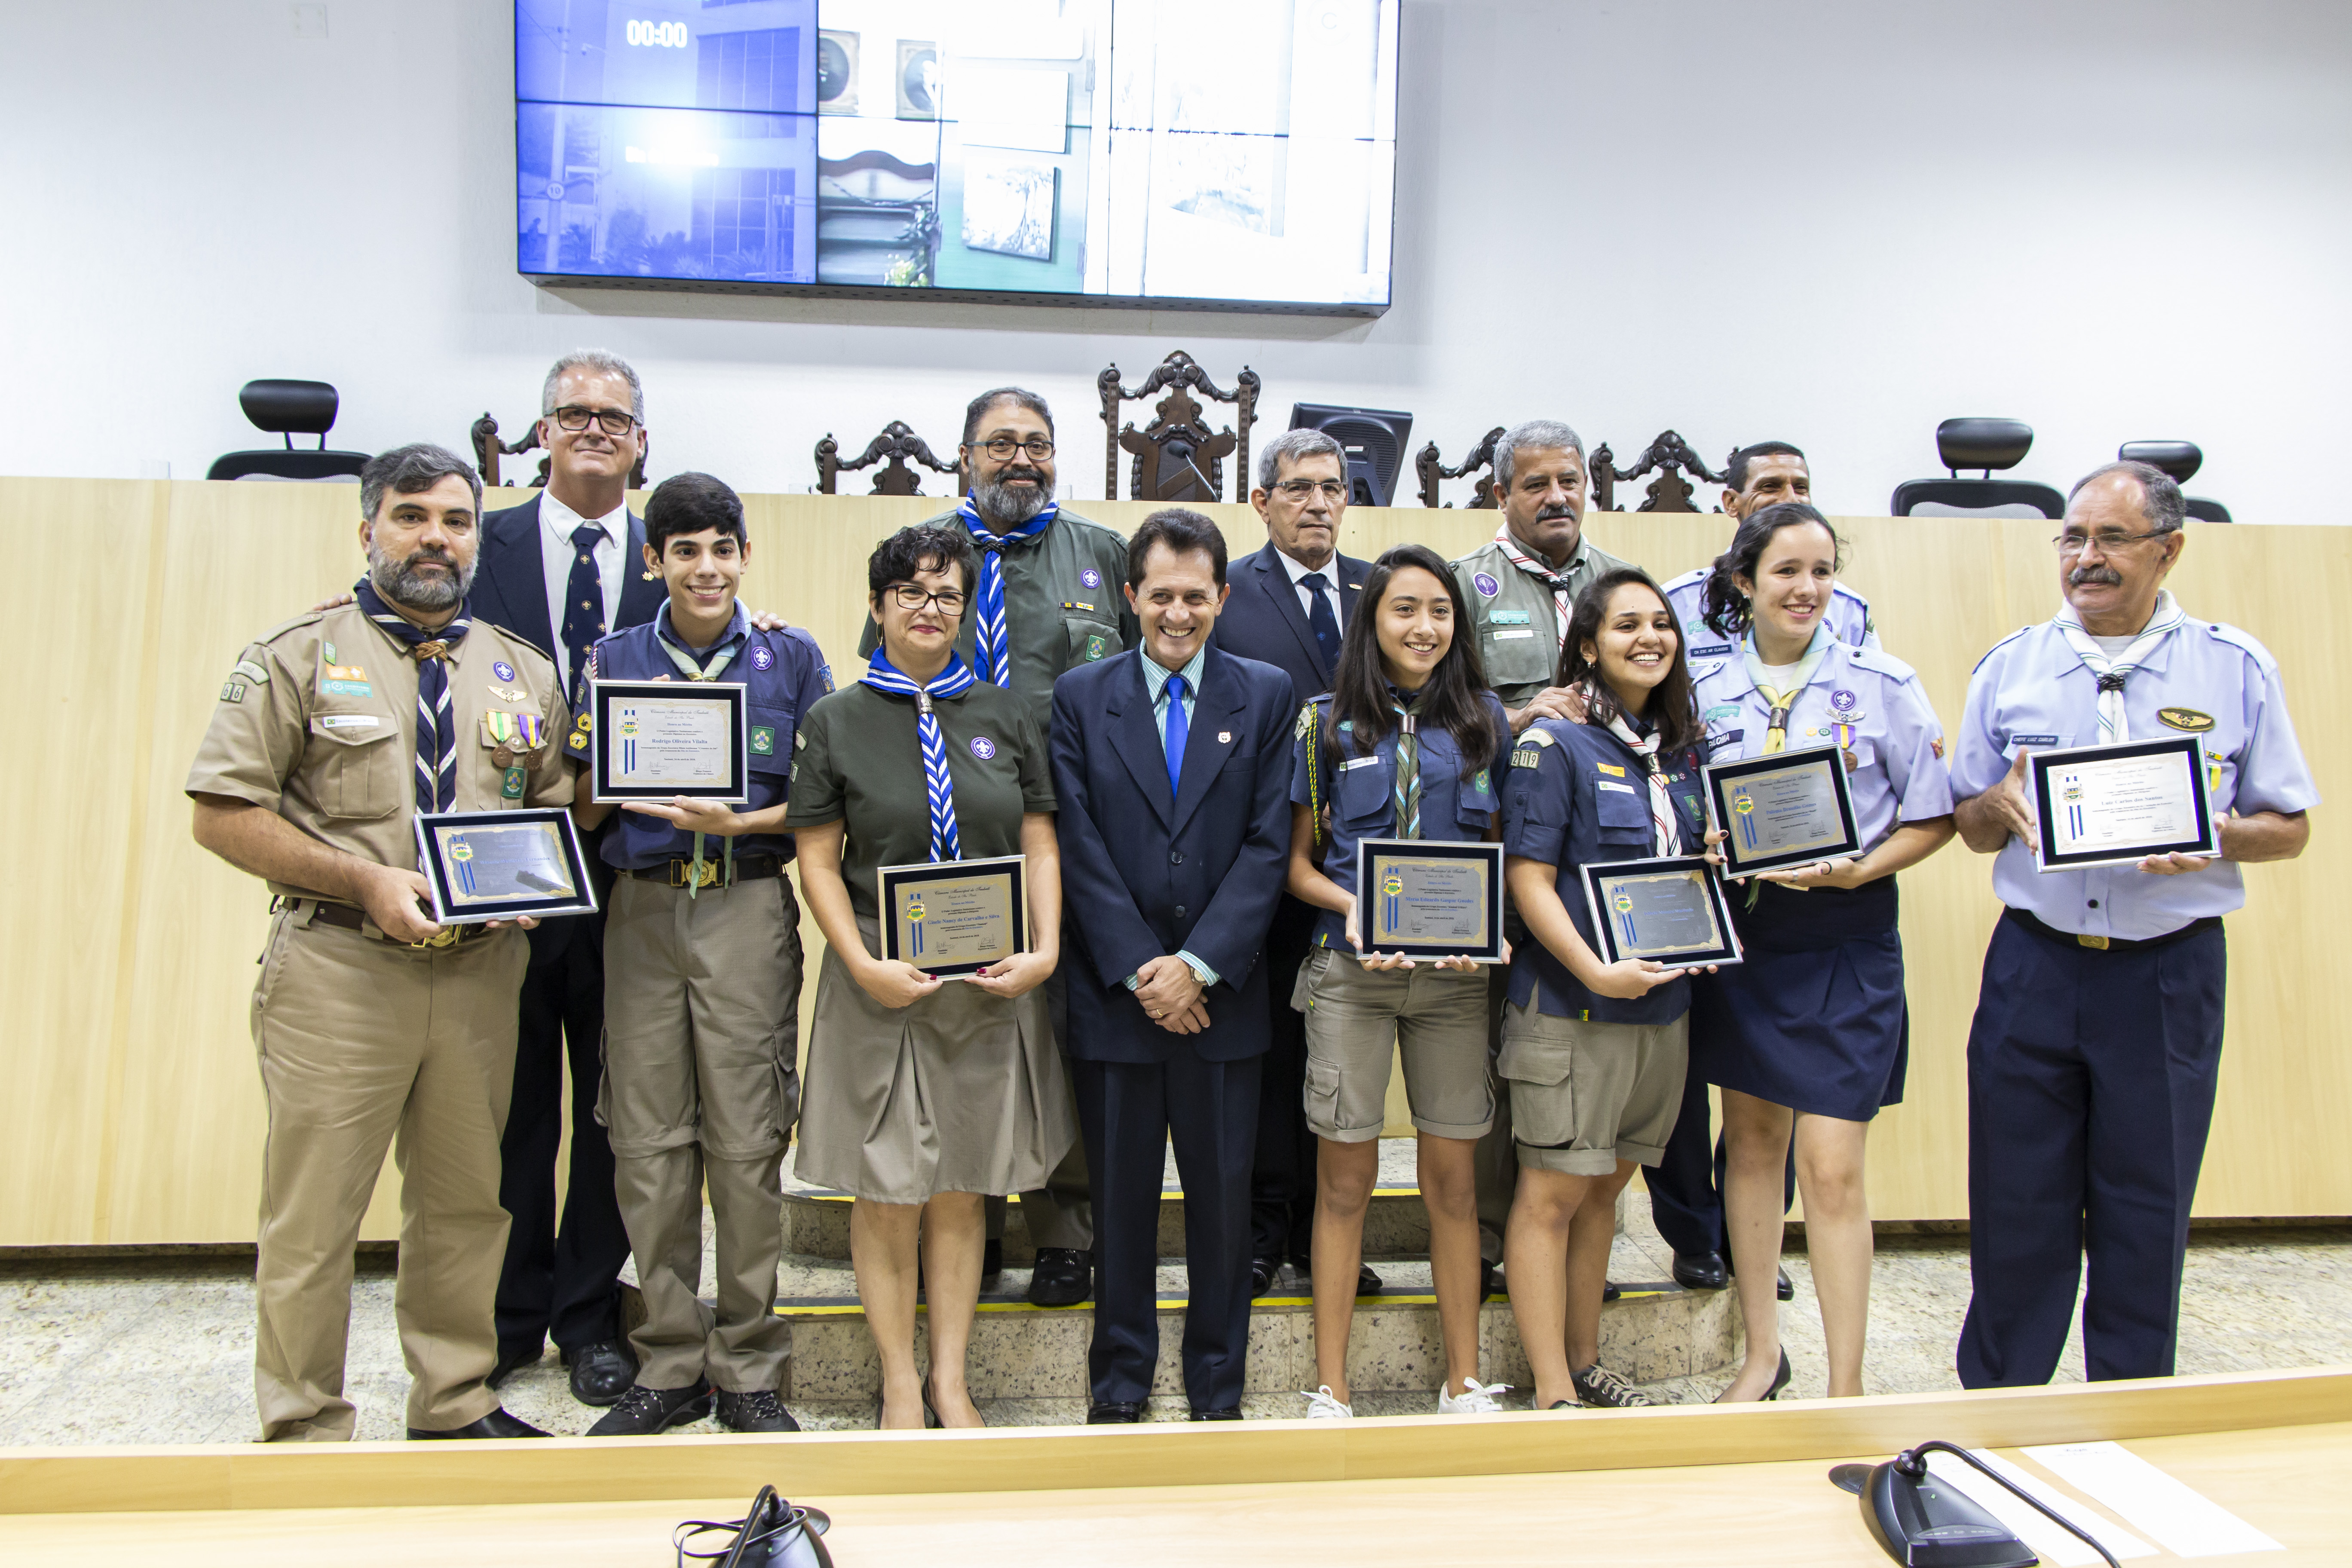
point(373, 1023)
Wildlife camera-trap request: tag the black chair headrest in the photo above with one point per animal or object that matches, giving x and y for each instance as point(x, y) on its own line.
point(1983, 443)
point(2180, 459)
point(283, 407)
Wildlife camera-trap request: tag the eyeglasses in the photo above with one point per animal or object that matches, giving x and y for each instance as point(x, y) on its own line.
point(2072, 543)
point(1003, 447)
point(1299, 489)
point(915, 597)
point(610, 421)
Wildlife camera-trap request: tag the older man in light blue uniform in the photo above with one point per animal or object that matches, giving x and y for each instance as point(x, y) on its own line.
point(2097, 1040)
point(1757, 476)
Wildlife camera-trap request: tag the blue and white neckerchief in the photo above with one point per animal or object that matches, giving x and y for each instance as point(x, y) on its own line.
point(992, 639)
point(2167, 618)
point(953, 681)
point(437, 724)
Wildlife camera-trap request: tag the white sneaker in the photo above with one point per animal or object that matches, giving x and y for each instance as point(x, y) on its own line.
point(1322, 1406)
point(1475, 1399)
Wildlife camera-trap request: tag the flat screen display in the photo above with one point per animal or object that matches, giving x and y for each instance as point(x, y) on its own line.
point(1236, 154)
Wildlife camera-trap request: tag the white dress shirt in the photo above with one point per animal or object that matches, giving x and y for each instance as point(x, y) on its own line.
point(555, 558)
point(1330, 570)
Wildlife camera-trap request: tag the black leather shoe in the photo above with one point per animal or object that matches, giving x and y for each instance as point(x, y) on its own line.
point(497, 1423)
point(1610, 1290)
point(992, 1266)
point(1783, 1289)
point(1063, 1277)
point(1367, 1282)
point(602, 1372)
point(1263, 1272)
point(1119, 1413)
point(513, 1358)
point(642, 1411)
point(758, 1411)
point(1230, 1413)
point(1490, 1280)
point(1701, 1271)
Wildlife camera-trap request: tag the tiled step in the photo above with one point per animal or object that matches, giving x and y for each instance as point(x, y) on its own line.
point(1654, 1332)
point(817, 1225)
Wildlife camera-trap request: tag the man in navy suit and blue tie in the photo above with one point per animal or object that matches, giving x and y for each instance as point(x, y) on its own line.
point(1289, 601)
point(560, 571)
point(1170, 767)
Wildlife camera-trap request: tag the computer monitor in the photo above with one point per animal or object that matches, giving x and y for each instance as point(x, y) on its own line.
point(1373, 440)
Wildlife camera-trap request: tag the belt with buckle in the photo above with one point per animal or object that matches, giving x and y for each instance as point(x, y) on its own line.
point(681, 873)
point(351, 919)
point(2082, 939)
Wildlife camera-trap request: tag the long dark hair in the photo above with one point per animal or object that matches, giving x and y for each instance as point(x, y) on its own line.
point(1454, 698)
point(1670, 708)
point(1722, 605)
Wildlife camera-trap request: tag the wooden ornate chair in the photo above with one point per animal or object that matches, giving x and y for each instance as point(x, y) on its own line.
point(1425, 464)
point(1177, 458)
point(488, 449)
point(1669, 455)
point(894, 449)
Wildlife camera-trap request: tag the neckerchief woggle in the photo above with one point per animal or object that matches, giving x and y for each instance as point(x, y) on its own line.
point(1663, 824)
point(1776, 737)
point(2115, 727)
point(1562, 592)
point(947, 843)
point(437, 724)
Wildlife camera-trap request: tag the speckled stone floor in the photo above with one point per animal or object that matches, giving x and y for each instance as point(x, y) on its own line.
point(161, 1350)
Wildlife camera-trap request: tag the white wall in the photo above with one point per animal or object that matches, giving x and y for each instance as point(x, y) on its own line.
point(1833, 222)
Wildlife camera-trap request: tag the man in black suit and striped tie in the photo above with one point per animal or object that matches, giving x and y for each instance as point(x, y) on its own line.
point(1288, 602)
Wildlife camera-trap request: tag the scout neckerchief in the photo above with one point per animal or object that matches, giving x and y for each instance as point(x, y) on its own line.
point(1776, 737)
point(1661, 808)
point(437, 724)
point(953, 681)
point(1563, 591)
point(1407, 707)
point(993, 641)
point(2168, 618)
point(690, 664)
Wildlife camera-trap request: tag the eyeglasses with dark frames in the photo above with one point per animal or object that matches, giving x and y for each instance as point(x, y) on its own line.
point(1003, 447)
point(915, 597)
point(610, 421)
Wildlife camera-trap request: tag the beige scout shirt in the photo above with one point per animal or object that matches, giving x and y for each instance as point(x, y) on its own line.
point(317, 723)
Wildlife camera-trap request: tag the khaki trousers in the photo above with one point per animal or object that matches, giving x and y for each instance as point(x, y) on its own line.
point(363, 1045)
point(701, 1084)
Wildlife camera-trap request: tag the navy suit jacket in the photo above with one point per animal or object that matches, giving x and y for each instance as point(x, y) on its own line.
point(1262, 619)
point(510, 593)
point(1147, 872)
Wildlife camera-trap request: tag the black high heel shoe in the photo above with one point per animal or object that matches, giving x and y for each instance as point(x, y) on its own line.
point(1779, 1382)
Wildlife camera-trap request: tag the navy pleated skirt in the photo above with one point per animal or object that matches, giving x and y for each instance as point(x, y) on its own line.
point(1815, 1018)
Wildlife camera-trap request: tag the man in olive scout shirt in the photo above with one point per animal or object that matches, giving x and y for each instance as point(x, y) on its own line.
point(374, 1025)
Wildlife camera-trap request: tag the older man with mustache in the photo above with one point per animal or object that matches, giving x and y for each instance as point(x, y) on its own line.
point(2097, 1041)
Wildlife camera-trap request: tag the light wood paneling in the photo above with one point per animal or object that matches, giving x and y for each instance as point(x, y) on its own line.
point(136, 1115)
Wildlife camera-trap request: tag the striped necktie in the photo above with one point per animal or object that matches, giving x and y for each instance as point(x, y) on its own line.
point(1663, 824)
point(953, 681)
point(993, 638)
point(437, 724)
point(1408, 765)
point(2115, 727)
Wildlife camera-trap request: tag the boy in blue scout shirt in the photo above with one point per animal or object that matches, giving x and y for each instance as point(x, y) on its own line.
point(1593, 1053)
point(703, 977)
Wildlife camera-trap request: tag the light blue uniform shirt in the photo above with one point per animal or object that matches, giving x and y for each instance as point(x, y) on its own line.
point(2032, 693)
point(1155, 680)
point(1862, 699)
point(1848, 617)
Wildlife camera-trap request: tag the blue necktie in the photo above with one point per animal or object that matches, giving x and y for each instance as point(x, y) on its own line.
point(584, 610)
point(1177, 726)
point(1319, 619)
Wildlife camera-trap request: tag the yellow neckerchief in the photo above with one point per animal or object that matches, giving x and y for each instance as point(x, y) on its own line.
point(1776, 736)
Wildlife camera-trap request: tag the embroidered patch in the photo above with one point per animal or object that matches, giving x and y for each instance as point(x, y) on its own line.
point(1618, 788)
point(763, 658)
point(763, 741)
point(513, 788)
point(982, 747)
point(1508, 617)
point(800, 740)
point(824, 675)
point(2187, 720)
point(1090, 577)
point(1504, 636)
point(231, 692)
point(347, 688)
point(1480, 785)
point(1527, 757)
point(350, 722)
point(1485, 584)
point(1077, 605)
point(1611, 769)
point(346, 672)
point(1722, 711)
point(327, 653)
point(1842, 700)
point(579, 742)
point(1306, 725)
point(1096, 647)
point(502, 670)
point(1719, 650)
point(253, 672)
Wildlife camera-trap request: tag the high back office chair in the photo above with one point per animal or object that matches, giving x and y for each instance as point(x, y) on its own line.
point(283, 408)
point(1986, 444)
point(2180, 459)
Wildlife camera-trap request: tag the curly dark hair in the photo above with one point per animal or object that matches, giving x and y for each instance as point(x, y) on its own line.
point(918, 548)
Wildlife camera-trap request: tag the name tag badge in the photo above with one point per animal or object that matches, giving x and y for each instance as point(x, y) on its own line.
point(1501, 635)
point(1621, 789)
point(1355, 762)
point(1611, 769)
point(2034, 739)
point(1508, 617)
point(350, 722)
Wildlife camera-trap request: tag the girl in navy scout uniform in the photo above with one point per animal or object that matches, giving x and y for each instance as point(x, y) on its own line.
point(1404, 746)
point(1593, 1053)
point(1807, 1037)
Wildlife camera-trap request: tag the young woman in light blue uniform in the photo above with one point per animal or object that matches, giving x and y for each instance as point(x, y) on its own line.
point(1807, 1037)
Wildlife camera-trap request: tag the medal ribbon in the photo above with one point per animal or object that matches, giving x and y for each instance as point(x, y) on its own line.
point(1408, 765)
point(437, 725)
point(691, 667)
point(2115, 727)
point(992, 639)
point(953, 681)
point(1663, 822)
point(1563, 591)
point(1776, 736)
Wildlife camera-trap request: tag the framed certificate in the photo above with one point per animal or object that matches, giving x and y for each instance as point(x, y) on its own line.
point(1669, 909)
point(2116, 806)
point(495, 864)
point(1428, 898)
point(952, 918)
point(651, 740)
point(1790, 808)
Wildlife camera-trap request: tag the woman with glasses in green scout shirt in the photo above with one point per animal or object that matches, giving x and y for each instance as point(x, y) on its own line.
point(1403, 747)
point(924, 1096)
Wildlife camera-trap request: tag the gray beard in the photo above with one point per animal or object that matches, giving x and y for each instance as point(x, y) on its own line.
point(398, 581)
point(1006, 506)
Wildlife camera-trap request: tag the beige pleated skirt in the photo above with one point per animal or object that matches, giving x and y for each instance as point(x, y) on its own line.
point(961, 1092)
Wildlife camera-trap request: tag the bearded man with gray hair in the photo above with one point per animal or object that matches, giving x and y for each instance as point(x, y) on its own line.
point(375, 1027)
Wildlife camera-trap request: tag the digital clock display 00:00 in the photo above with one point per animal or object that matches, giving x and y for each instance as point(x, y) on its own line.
point(659, 35)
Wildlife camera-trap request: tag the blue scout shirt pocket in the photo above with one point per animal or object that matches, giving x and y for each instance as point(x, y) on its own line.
point(1366, 795)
